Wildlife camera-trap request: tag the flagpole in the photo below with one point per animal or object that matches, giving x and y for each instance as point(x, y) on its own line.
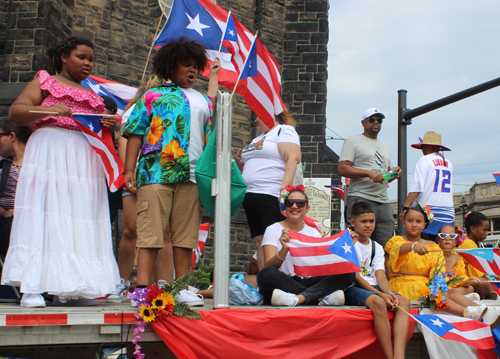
point(224, 34)
point(151, 48)
point(418, 321)
point(451, 250)
point(78, 114)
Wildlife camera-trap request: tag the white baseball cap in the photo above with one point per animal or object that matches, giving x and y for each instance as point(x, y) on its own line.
point(370, 112)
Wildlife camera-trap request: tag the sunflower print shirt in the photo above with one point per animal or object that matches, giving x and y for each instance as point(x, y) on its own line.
point(175, 124)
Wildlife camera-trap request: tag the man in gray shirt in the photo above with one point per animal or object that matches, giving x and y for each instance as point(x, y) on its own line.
point(364, 159)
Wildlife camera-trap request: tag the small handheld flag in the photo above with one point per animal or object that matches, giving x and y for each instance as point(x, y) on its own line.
point(497, 177)
point(339, 189)
point(312, 256)
point(483, 262)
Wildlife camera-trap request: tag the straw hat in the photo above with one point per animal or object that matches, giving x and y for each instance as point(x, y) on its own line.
point(431, 138)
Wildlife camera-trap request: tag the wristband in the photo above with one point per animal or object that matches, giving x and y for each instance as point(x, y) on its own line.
point(404, 208)
point(278, 255)
point(413, 245)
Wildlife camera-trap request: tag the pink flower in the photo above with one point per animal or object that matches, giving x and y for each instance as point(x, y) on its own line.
point(149, 98)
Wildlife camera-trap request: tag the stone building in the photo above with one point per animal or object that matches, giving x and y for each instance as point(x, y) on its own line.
point(296, 32)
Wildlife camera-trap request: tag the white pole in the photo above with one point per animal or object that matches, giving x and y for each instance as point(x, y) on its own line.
point(222, 187)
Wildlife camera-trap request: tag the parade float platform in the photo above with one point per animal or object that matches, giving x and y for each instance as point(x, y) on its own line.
point(86, 332)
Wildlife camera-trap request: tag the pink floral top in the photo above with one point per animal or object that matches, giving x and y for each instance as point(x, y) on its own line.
point(80, 101)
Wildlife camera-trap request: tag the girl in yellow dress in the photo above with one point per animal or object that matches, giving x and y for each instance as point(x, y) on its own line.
point(477, 226)
point(411, 264)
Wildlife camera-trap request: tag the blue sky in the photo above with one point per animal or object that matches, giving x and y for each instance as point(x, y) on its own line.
point(432, 49)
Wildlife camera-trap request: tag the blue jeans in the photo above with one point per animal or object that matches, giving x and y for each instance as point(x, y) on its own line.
point(312, 288)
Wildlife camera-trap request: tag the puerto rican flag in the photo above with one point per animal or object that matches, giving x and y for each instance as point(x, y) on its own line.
point(486, 260)
point(339, 189)
point(205, 22)
point(497, 177)
point(202, 238)
point(312, 256)
point(122, 94)
point(468, 331)
point(101, 141)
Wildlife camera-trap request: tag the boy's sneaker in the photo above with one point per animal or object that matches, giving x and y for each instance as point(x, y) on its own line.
point(190, 298)
point(120, 293)
point(475, 312)
point(473, 296)
point(193, 289)
point(336, 298)
point(32, 301)
point(281, 298)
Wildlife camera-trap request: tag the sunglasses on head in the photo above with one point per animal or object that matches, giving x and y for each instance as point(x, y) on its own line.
point(301, 203)
point(375, 118)
point(445, 235)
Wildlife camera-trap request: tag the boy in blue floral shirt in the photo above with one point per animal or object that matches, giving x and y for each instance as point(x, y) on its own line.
point(169, 126)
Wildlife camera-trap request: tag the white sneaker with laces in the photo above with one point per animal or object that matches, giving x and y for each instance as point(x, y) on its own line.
point(32, 301)
point(476, 312)
point(335, 298)
point(281, 298)
point(473, 296)
point(120, 293)
point(190, 298)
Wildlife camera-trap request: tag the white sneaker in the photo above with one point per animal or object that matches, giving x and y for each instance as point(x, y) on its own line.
point(32, 301)
point(162, 282)
point(336, 298)
point(492, 317)
point(281, 298)
point(190, 298)
point(193, 289)
point(120, 293)
point(473, 296)
point(475, 312)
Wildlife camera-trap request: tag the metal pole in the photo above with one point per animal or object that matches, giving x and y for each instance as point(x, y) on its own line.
point(451, 99)
point(402, 156)
point(222, 186)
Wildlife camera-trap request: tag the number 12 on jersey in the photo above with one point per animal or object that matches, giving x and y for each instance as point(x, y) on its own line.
point(442, 181)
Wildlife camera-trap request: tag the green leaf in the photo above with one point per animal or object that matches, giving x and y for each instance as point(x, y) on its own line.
point(171, 101)
point(185, 311)
point(179, 125)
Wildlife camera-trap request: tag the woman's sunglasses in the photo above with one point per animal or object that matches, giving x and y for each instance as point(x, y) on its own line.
point(445, 235)
point(301, 203)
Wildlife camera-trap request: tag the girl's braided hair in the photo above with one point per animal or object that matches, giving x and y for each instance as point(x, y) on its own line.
point(64, 47)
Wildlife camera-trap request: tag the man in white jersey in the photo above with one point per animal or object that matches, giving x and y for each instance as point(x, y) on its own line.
point(364, 159)
point(432, 183)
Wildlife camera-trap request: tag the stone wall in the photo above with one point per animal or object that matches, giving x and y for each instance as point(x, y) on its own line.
point(295, 32)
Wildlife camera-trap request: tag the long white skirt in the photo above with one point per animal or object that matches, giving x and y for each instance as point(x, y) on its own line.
point(60, 241)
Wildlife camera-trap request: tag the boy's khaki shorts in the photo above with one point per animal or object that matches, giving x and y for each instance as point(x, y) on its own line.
point(161, 205)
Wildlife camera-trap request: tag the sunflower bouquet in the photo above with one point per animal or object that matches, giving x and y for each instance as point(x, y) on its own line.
point(434, 292)
point(156, 302)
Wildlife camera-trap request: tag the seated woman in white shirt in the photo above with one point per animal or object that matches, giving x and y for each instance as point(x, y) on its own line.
point(277, 281)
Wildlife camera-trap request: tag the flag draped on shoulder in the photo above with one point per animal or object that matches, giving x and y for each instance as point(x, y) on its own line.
point(450, 327)
point(101, 141)
point(486, 260)
point(205, 22)
point(312, 256)
point(122, 94)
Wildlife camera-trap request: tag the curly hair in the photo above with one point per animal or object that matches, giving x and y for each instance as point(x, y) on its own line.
point(168, 58)
point(65, 47)
point(22, 132)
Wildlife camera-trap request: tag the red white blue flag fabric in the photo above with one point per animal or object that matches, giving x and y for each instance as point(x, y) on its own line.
point(465, 330)
point(312, 256)
point(100, 139)
point(202, 238)
point(497, 177)
point(339, 189)
point(205, 22)
point(486, 260)
point(122, 94)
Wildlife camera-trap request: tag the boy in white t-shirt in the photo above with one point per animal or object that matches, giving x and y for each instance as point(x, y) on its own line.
point(372, 287)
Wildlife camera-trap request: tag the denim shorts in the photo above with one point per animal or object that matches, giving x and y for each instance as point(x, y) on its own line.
point(357, 296)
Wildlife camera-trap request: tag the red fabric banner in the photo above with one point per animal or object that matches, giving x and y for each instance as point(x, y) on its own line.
point(263, 333)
